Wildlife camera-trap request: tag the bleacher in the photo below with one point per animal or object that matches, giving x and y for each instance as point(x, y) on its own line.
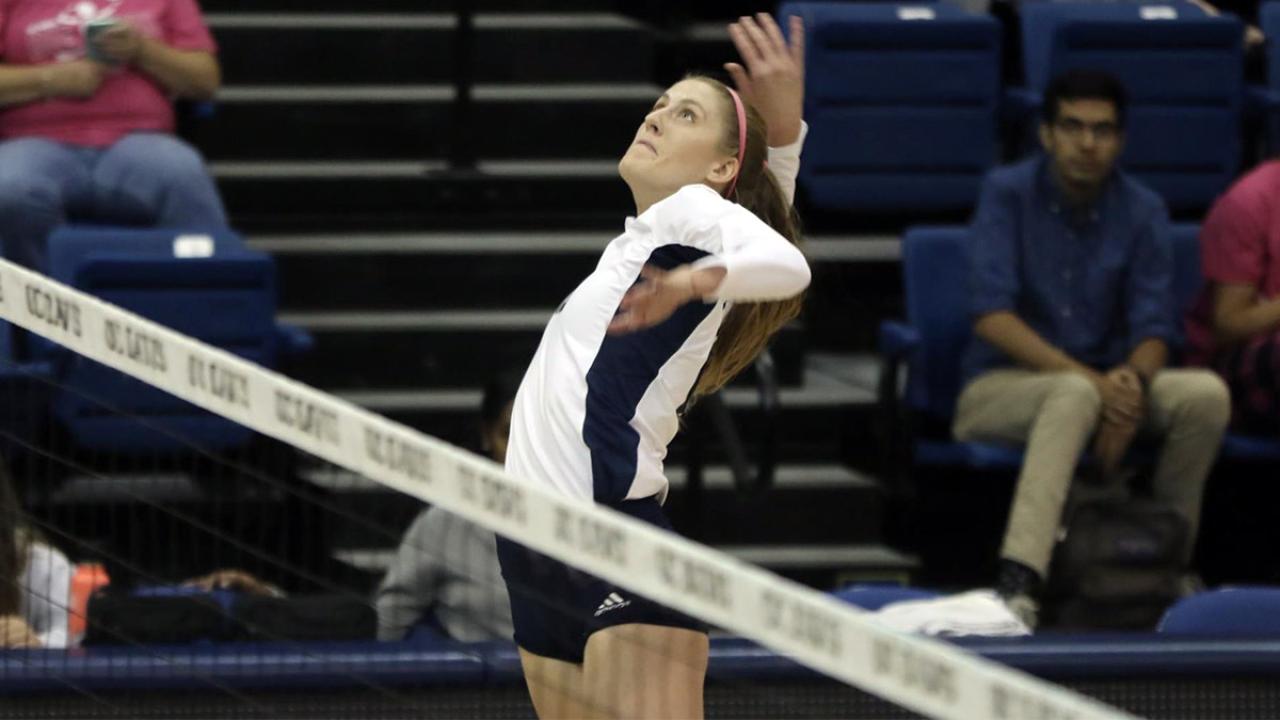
point(376, 187)
point(365, 182)
point(400, 171)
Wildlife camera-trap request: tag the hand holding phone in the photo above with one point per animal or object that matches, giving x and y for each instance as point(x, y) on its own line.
point(112, 41)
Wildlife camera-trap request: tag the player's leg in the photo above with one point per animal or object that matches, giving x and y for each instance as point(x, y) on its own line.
point(545, 612)
point(555, 687)
point(646, 671)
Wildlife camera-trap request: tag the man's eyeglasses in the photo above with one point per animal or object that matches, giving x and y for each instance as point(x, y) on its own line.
point(1076, 129)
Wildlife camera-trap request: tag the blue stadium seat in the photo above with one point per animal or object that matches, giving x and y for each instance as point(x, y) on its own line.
point(1184, 74)
point(70, 245)
point(930, 345)
point(873, 596)
point(209, 286)
point(901, 102)
point(1251, 612)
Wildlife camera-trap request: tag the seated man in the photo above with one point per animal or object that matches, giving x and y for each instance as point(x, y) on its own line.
point(1073, 311)
point(445, 573)
point(87, 118)
point(1234, 326)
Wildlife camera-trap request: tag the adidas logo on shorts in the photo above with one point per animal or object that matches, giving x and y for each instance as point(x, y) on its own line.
point(613, 602)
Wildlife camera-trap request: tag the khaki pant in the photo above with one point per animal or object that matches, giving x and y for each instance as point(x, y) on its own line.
point(1055, 415)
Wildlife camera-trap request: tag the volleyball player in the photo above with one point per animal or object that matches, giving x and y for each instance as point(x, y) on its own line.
point(684, 299)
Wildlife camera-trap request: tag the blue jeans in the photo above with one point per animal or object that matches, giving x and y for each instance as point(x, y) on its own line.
point(146, 179)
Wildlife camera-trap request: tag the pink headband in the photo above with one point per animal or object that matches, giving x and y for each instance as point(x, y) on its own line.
point(742, 138)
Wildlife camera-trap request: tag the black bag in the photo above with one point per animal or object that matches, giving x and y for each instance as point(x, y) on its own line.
point(120, 617)
point(182, 616)
point(1119, 567)
point(306, 617)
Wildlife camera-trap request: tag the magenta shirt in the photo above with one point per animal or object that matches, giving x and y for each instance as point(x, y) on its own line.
point(36, 32)
point(1239, 245)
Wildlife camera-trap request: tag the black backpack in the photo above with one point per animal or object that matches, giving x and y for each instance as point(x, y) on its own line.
point(1118, 567)
point(122, 617)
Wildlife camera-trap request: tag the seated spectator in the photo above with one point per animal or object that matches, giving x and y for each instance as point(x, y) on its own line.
point(1073, 312)
point(445, 573)
point(87, 124)
point(35, 581)
point(1234, 326)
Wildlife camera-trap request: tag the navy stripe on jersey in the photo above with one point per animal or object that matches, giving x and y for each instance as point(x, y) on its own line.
point(622, 372)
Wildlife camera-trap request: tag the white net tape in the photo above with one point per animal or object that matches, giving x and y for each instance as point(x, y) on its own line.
point(927, 676)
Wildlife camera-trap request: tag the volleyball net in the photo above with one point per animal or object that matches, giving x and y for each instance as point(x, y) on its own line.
point(260, 502)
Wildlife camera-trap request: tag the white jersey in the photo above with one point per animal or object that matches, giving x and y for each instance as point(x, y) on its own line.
point(595, 412)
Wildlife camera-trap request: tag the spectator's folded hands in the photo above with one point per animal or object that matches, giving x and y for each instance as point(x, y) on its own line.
point(1122, 397)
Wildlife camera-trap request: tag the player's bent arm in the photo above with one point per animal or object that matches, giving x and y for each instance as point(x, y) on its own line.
point(784, 163)
point(756, 264)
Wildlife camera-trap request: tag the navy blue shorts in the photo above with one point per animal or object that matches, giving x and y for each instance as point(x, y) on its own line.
point(555, 608)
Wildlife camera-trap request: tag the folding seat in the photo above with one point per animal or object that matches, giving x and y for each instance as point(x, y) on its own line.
point(206, 285)
point(901, 102)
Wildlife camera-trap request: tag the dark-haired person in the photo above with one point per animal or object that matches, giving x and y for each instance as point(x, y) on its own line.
point(680, 302)
point(35, 580)
point(445, 573)
point(1072, 305)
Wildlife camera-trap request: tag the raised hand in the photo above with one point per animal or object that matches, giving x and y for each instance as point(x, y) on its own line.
point(773, 77)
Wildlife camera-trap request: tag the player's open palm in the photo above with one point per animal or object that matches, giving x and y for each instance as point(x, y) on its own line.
point(773, 77)
point(651, 300)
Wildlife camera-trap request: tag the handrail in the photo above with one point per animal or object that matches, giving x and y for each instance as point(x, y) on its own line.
point(462, 150)
point(748, 481)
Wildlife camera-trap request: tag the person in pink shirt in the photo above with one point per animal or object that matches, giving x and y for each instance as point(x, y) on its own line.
point(86, 118)
point(1234, 326)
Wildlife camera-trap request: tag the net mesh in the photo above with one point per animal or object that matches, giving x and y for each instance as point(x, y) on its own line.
point(176, 522)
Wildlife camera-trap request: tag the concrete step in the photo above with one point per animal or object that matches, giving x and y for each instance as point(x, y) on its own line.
point(824, 567)
point(816, 503)
point(831, 566)
point(478, 270)
point(326, 48)
point(448, 348)
point(819, 420)
point(405, 121)
point(384, 46)
point(857, 279)
point(333, 196)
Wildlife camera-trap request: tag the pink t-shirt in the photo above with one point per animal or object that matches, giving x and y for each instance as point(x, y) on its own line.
point(35, 32)
point(1239, 245)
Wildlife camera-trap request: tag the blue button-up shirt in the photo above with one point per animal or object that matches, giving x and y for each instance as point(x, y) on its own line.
point(1094, 282)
